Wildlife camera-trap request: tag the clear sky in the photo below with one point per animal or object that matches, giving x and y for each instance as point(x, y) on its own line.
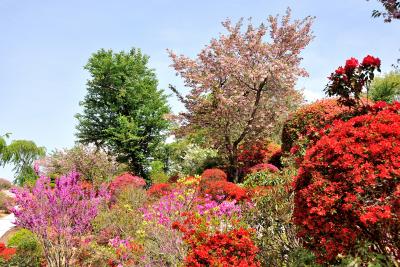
point(45, 44)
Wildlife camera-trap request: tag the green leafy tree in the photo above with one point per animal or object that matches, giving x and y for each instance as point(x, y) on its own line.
point(386, 88)
point(124, 112)
point(21, 154)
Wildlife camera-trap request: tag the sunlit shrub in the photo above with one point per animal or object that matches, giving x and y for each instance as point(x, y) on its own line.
point(216, 246)
point(28, 249)
point(57, 216)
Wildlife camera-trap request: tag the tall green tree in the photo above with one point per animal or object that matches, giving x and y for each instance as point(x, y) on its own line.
point(21, 154)
point(124, 112)
point(387, 87)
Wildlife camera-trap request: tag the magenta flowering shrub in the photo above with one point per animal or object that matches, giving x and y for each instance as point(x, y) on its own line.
point(59, 216)
point(173, 208)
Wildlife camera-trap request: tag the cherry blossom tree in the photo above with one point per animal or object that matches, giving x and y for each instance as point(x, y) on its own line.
point(243, 83)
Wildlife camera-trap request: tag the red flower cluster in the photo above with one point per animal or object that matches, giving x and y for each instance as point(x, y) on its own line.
point(348, 186)
point(6, 253)
point(257, 153)
point(126, 180)
point(348, 82)
point(371, 61)
point(232, 248)
point(159, 190)
point(226, 189)
point(351, 64)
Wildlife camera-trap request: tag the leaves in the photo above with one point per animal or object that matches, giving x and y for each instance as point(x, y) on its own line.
point(123, 111)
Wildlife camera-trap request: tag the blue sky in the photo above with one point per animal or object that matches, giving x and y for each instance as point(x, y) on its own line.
point(45, 44)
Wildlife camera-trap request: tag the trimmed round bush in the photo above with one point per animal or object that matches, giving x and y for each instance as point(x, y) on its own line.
point(214, 175)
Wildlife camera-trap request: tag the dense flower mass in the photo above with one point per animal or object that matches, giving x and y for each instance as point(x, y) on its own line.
point(351, 64)
point(124, 180)
point(159, 189)
point(348, 187)
point(371, 61)
point(211, 246)
point(58, 216)
point(6, 253)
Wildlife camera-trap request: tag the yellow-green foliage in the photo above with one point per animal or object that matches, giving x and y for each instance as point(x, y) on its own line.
point(29, 251)
point(387, 87)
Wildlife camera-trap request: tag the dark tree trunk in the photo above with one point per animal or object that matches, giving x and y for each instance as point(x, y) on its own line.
point(233, 169)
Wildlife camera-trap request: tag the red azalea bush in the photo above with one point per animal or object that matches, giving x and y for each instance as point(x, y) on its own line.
point(233, 247)
point(214, 182)
point(6, 253)
point(158, 190)
point(214, 175)
point(220, 190)
point(257, 153)
point(348, 186)
point(124, 180)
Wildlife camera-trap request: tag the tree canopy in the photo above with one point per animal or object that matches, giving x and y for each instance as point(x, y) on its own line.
point(21, 154)
point(124, 111)
point(386, 88)
point(241, 84)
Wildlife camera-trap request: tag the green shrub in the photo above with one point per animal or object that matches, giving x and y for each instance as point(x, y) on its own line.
point(263, 178)
point(157, 173)
point(29, 251)
point(272, 218)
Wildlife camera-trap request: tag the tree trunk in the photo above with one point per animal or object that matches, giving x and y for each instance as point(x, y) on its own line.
point(233, 169)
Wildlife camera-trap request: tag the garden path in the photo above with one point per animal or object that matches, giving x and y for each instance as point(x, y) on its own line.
point(6, 222)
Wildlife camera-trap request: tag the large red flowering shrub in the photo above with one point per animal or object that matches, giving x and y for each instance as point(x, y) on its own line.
point(348, 186)
point(126, 180)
